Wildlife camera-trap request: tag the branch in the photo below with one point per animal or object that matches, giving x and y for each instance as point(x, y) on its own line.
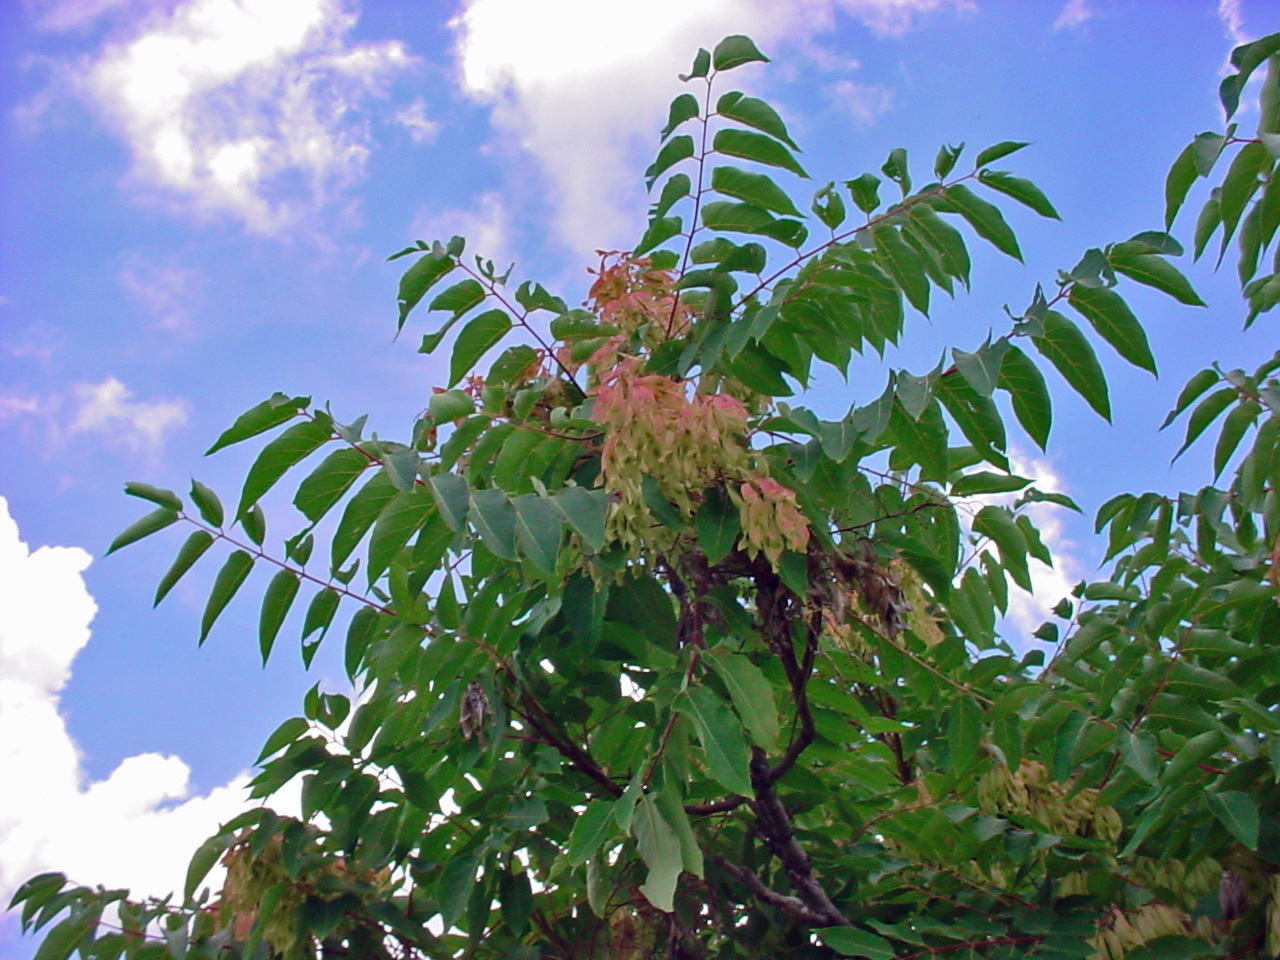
point(793, 907)
point(775, 825)
point(578, 758)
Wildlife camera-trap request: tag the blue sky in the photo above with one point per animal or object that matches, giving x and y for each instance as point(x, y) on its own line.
point(197, 200)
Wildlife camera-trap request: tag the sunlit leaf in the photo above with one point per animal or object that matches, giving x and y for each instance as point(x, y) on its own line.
point(191, 551)
point(228, 581)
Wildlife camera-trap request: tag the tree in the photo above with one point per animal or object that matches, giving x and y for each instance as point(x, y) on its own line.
point(653, 661)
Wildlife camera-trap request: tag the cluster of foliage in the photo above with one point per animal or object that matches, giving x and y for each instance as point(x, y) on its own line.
point(654, 663)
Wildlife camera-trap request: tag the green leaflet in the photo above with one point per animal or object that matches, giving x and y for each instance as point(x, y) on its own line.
point(660, 231)
point(1024, 191)
point(734, 51)
point(163, 498)
point(1194, 387)
point(1238, 813)
point(292, 446)
point(401, 517)
point(751, 694)
point(515, 897)
point(1156, 271)
point(944, 238)
point(1111, 317)
point(326, 484)
point(360, 513)
point(1178, 183)
point(973, 484)
point(1207, 411)
point(270, 413)
point(904, 266)
point(207, 502)
point(191, 551)
point(993, 153)
point(735, 217)
point(924, 440)
point(853, 942)
point(426, 271)
point(153, 521)
point(459, 298)
point(721, 737)
point(982, 368)
point(1240, 183)
point(752, 188)
point(684, 107)
point(538, 530)
point(755, 147)
point(584, 511)
point(964, 730)
point(1063, 345)
point(1207, 223)
point(985, 218)
point(717, 524)
point(452, 498)
point(229, 579)
point(1138, 751)
point(320, 613)
point(754, 113)
point(672, 152)
point(659, 848)
point(454, 887)
point(66, 937)
point(1238, 421)
point(481, 333)
point(494, 518)
point(275, 607)
point(998, 524)
point(1030, 396)
point(593, 826)
point(202, 862)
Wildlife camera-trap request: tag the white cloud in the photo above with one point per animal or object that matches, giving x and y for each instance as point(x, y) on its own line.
point(414, 119)
point(582, 85)
point(893, 18)
point(1232, 18)
point(1073, 14)
point(17, 404)
point(163, 287)
point(486, 227)
point(107, 408)
point(139, 826)
point(60, 15)
point(861, 101)
point(1049, 584)
point(245, 108)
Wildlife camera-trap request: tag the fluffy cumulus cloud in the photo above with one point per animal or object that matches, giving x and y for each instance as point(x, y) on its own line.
point(486, 225)
point(581, 85)
point(861, 101)
point(138, 827)
point(247, 108)
point(108, 408)
point(1049, 584)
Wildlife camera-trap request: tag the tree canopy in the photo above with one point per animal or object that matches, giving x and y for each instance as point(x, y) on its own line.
point(653, 661)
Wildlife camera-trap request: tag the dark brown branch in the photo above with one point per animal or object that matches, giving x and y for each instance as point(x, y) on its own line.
point(718, 806)
point(579, 759)
point(777, 606)
point(774, 824)
point(793, 907)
